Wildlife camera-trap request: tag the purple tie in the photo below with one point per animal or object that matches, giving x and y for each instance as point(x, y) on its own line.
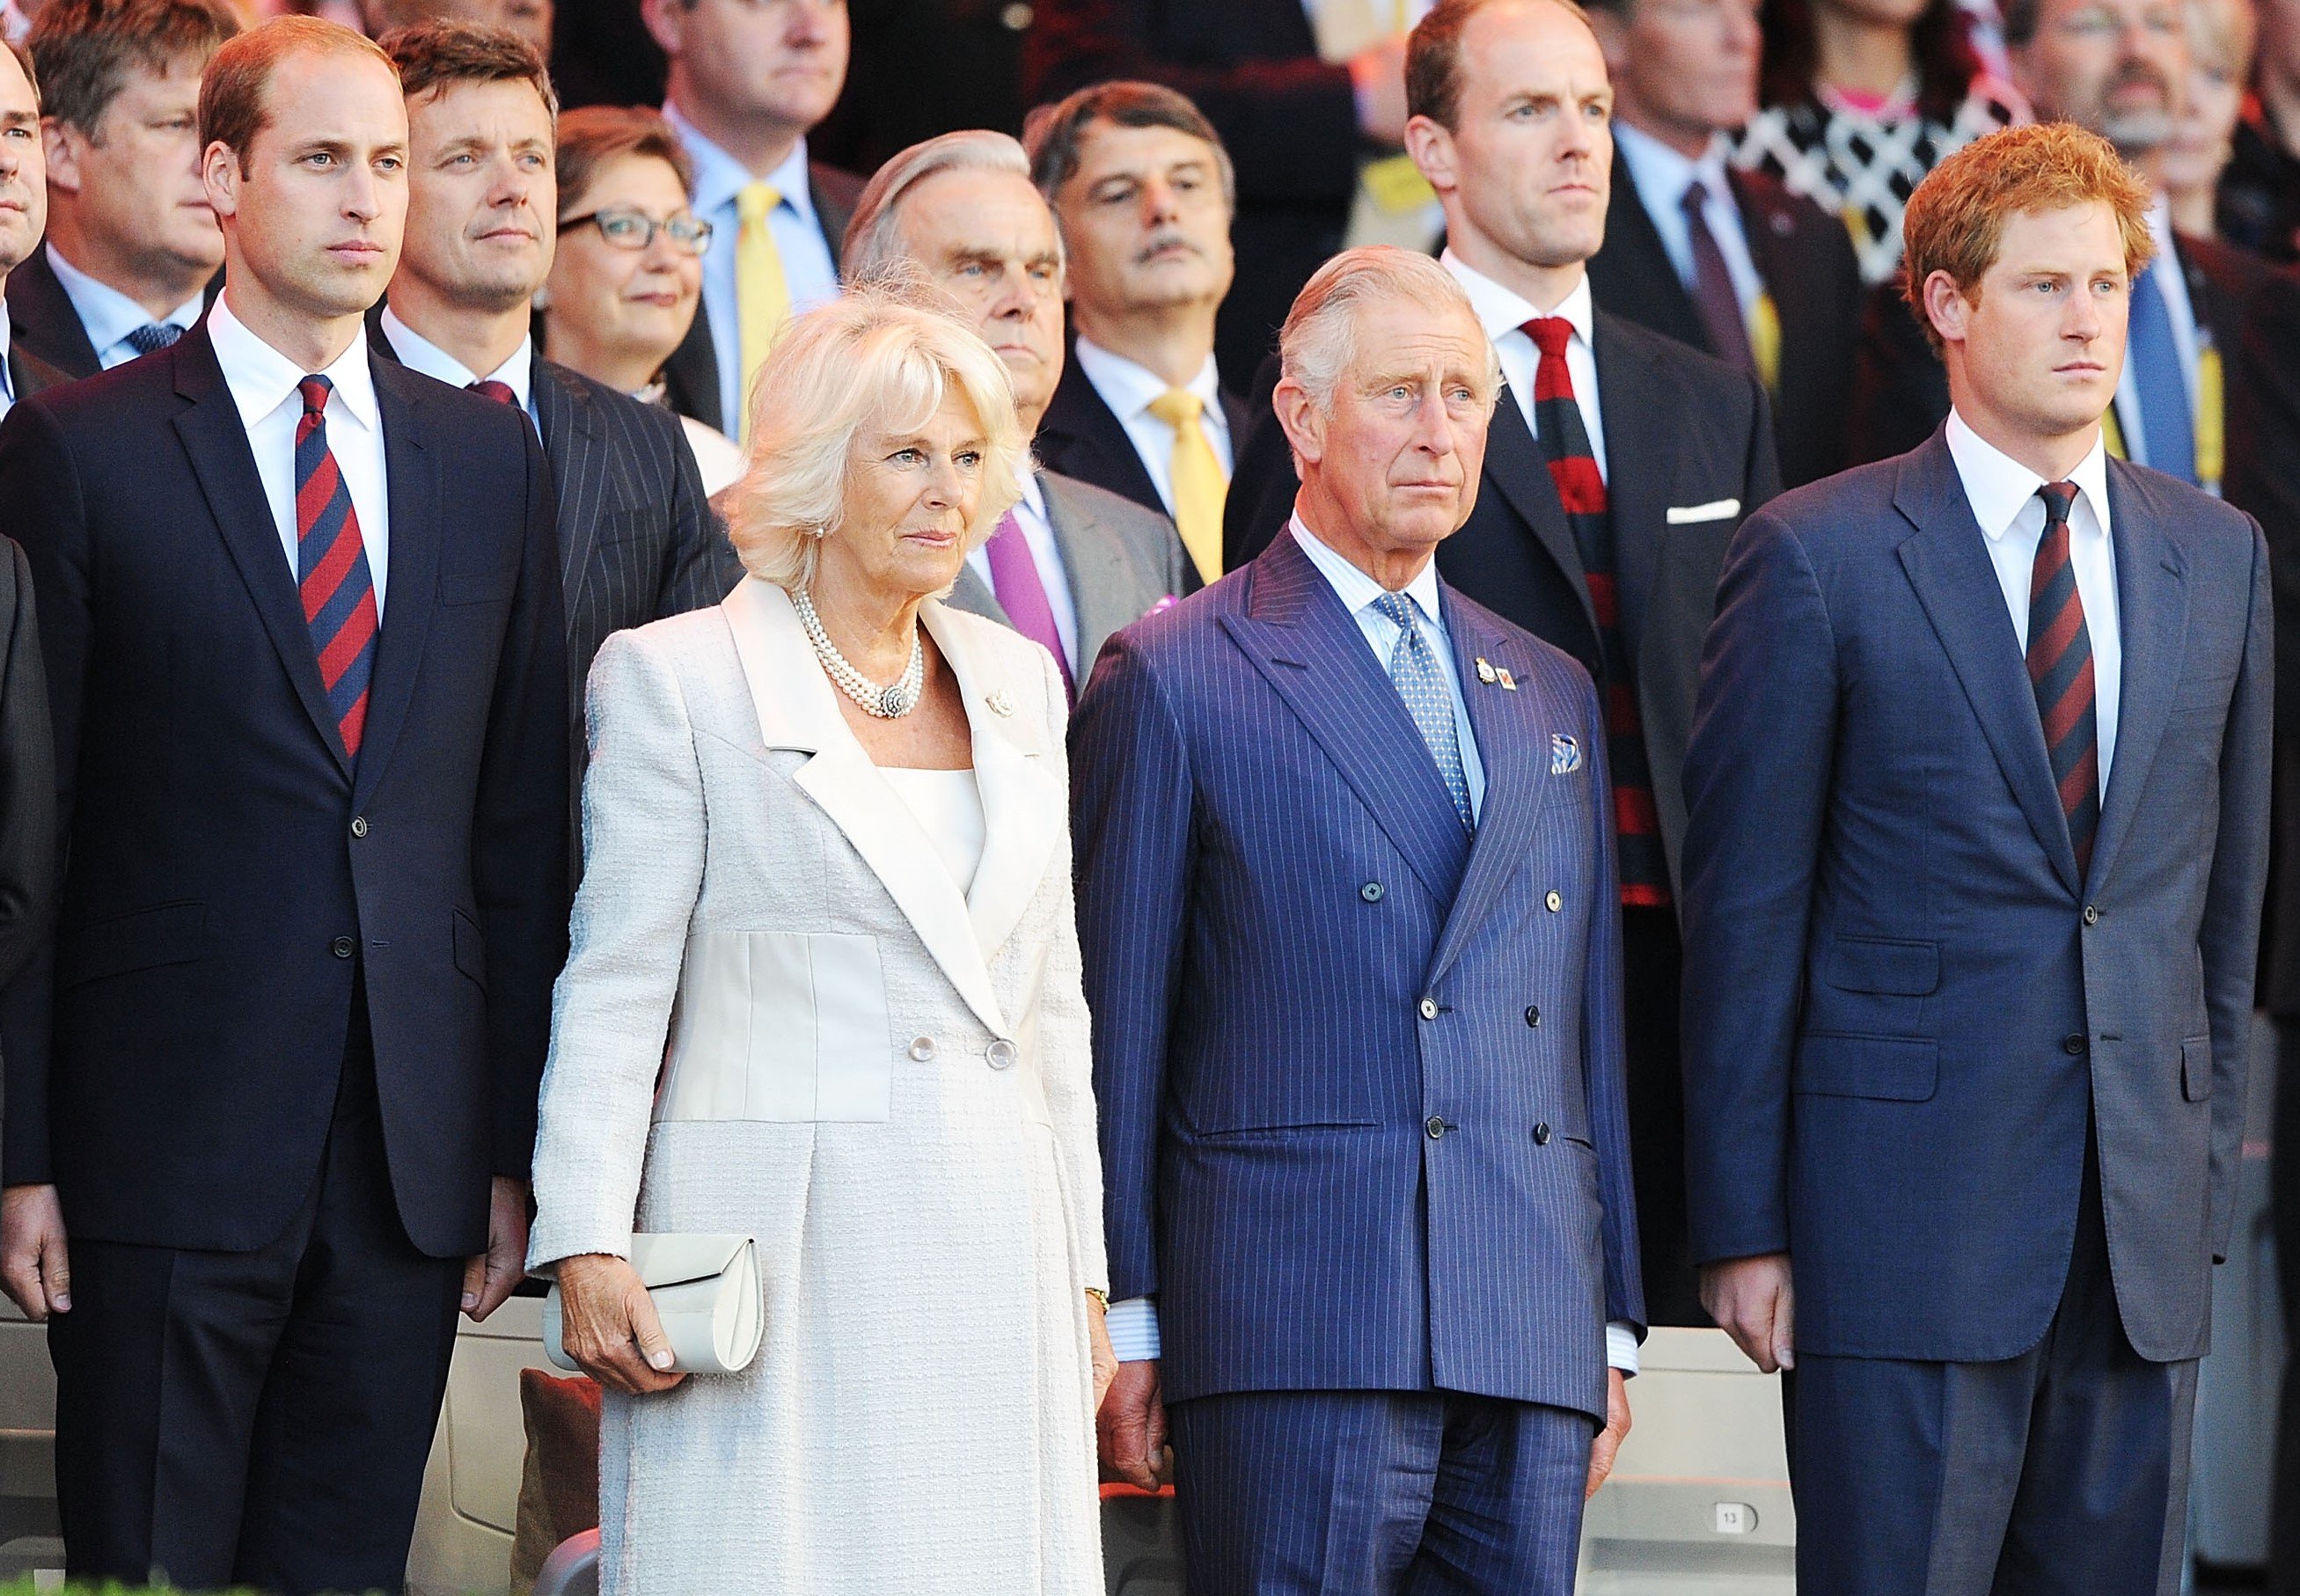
point(1014, 578)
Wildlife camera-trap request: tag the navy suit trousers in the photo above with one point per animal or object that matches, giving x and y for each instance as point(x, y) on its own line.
point(1379, 1493)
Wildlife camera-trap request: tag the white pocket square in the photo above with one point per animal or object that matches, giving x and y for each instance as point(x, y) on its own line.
point(1716, 509)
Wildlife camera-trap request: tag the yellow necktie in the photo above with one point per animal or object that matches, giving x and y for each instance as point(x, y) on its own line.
point(761, 297)
point(1198, 483)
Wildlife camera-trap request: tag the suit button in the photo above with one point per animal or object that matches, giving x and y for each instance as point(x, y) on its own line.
point(1436, 1127)
point(1428, 1008)
point(1533, 1014)
point(2092, 914)
point(922, 1049)
point(342, 947)
point(1541, 1133)
point(1371, 892)
point(2072, 1045)
point(1554, 901)
point(359, 825)
point(1001, 1054)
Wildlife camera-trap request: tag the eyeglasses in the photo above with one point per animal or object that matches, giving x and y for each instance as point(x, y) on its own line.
point(634, 229)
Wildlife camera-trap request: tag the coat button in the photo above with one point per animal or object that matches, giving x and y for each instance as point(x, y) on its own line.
point(1541, 1133)
point(359, 825)
point(2072, 1045)
point(1371, 892)
point(922, 1049)
point(1428, 1008)
point(1554, 901)
point(2092, 914)
point(1436, 1126)
point(1533, 1014)
point(342, 947)
point(1001, 1054)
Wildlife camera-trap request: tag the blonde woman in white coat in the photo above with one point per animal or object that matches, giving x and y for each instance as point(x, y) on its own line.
point(824, 990)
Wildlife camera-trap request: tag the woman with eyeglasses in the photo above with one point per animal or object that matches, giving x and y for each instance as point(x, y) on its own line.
point(628, 275)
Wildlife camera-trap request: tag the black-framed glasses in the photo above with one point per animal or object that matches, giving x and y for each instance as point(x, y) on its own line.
point(628, 228)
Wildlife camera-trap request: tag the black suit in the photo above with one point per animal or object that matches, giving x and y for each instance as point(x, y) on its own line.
point(42, 322)
point(1289, 120)
point(293, 1017)
point(690, 377)
point(28, 373)
point(1682, 431)
point(1805, 258)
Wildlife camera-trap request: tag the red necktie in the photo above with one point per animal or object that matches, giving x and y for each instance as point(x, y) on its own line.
point(332, 576)
point(500, 392)
point(2060, 667)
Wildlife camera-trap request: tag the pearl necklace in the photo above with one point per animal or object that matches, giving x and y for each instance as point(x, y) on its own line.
point(897, 698)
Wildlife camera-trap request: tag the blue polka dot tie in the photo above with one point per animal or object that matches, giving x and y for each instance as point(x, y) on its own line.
point(1421, 682)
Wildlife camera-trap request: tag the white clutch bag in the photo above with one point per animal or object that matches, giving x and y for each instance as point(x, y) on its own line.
point(705, 1291)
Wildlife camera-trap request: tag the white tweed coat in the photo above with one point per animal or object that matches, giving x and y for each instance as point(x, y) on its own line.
point(779, 1017)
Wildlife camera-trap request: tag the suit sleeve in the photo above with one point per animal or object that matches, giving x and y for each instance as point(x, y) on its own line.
point(1757, 781)
point(1605, 1057)
point(1133, 800)
point(40, 484)
point(2229, 934)
point(519, 834)
point(702, 569)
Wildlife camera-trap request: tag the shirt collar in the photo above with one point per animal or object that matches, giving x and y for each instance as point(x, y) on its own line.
point(719, 177)
point(262, 379)
point(1999, 487)
point(108, 314)
point(1357, 590)
point(1129, 389)
point(419, 354)
point(7, 383)
point(1662, 175)
point(1504, 310)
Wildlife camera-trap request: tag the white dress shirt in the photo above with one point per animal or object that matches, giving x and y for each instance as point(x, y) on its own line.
point(2173, 284)
point(1503, 312)
point(809, 272)
point(419, 354)
point(1133, 1323)
point(263, 384)
point(1038, 532)
point(2002, 494)
point(108, 316)
point(1660, 177)
point(1129, 390)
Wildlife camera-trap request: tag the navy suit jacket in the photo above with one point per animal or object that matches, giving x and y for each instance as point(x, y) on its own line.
point(1903, 1004)
point(1300, 964)
point(173, 1048)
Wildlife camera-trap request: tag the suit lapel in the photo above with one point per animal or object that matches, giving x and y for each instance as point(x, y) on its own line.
point(1311, 652)
point(1516, 464)
point(216, 441)
point(1947, 563)
point(2152, 623)
point(417, 507)
point(793, 702)
point(971, 594)
point(1092, 441)
point(1095, 567)
point(1637, 262)
point(1517, 786)
point(1639, 409)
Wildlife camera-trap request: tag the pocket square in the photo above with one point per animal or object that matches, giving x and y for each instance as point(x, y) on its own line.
point(1564, 754)
point(1716, 509)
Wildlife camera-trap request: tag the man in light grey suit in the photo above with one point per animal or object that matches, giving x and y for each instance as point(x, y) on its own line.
point(1070, 563)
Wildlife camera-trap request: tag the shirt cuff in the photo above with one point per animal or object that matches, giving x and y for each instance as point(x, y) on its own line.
point(1621, 1346)
point(1133, 1325)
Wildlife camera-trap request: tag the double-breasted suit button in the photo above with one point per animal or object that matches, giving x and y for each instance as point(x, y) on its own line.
point(1428, 1008)
point(2092, 914)
point(923, 1050)
point(342, 947)
point(1555, 902)
point(1541, 1133)
point(1436, 1126)
point(1001, 1054)
point(1373, 892)
point(1533, 1014)
point(2072, 1045)
point(359, 825)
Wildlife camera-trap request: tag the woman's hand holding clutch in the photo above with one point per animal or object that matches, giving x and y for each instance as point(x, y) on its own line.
point(609, 1326)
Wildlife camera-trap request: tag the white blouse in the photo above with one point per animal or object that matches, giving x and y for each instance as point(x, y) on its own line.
point(948, 807)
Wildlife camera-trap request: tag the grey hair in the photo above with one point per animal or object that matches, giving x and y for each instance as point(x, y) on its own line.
point(874, 237)
point(1315, 344)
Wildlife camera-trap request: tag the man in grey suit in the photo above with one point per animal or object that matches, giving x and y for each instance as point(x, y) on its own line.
point(636, 539)
point(1070, 563)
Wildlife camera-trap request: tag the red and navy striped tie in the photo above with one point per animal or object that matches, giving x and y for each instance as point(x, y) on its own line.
point(2059, 667)
point(331, 570)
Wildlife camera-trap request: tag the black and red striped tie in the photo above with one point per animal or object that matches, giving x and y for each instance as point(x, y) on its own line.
point(2060, 667)
point(331, 570)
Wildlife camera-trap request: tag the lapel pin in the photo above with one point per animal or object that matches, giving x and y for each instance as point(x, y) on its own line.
point(1564, 754)
point(1001, 702)
point(1508, 682)
point(1484, 670)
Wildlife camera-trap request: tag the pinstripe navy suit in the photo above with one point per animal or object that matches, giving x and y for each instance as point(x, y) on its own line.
point(1360, 1074)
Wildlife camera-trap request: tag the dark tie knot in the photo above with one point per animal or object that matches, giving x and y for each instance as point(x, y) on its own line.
point(1695, 200)
point(2059, 498)
point(153, 335)
point(501, 392)
point(1550, 334)
point(315, 391)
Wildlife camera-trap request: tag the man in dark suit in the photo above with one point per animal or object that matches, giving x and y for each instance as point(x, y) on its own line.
point(1372, 1239)
point(1728, 262)
point(23, 213)
point(1979, 828)
point(1070, 564)
point(1144, 192)
point(1619, 465)
point(637, 541)
point(132, 248)
point(274, 1073)
point(747, 81)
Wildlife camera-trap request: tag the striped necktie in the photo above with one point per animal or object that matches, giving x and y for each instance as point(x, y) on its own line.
point(2060, 667)
point(331, 570)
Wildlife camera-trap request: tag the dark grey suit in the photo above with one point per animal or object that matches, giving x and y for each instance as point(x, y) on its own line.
point(1121, 560)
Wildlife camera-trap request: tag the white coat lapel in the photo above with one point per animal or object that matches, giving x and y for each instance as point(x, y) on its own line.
point(796, 709)
point(1023, 801)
